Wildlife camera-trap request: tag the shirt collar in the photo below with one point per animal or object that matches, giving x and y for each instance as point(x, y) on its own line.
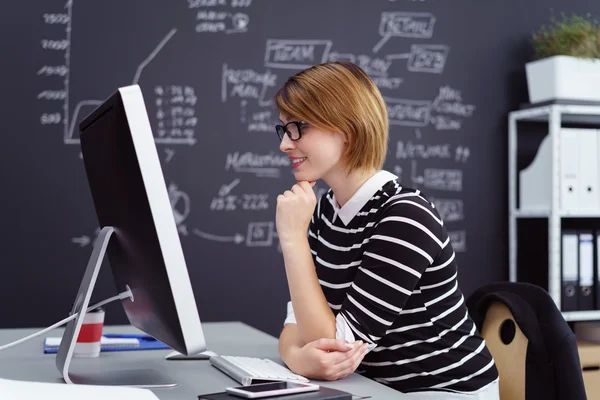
point(361, 197)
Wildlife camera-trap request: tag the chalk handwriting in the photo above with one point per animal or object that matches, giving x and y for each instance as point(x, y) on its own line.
point(245, 83)
point(408, 112)
point(462, 154)
point(209, 20)
point(50, 118)
point(296, 54)
point(407, 24)
point(404, 24)
point(267, 165)
point(409, 150)
point(249, 202)
point(449, 101)
point(52, 94)
point(54, 44)
point(387, 83)
point(443, 179)
point(448, 108)
point(53, 70)
point(175, 114)
point(52, 19)
point(227, 201)
point(444, 123)
point(262, 121)
point(449, 104)
point(428, 58)
point(373, 66)
point(260, 234)
point(206, 3)
point(450, 210)
point(218, 3)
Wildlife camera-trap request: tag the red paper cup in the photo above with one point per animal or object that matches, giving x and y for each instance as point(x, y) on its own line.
point(90, 335)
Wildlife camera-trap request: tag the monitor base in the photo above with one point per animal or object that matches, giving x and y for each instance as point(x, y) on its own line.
point(141, 378)
point(136, 378)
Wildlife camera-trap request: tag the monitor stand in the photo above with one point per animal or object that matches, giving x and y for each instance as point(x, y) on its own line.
point(146, 378)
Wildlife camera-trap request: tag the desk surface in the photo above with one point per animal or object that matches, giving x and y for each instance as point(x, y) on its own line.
point(28, 362)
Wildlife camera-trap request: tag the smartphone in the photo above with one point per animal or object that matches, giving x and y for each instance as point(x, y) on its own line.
point(276, 388)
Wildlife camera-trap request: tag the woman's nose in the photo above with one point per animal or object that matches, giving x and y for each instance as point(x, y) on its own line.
point(286, 143)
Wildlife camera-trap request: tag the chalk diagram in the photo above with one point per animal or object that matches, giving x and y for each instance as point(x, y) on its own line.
point(176, 103)
point(252, 87)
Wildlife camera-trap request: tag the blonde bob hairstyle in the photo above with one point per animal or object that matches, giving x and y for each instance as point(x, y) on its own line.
point(340, 97)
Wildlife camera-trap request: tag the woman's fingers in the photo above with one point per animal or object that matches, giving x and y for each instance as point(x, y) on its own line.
point(349, 365)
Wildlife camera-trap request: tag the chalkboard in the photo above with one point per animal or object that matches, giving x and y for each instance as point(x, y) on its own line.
point(449, 71)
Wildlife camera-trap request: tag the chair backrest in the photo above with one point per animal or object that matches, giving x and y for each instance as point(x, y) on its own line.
point(508, 345)
point(533, 346)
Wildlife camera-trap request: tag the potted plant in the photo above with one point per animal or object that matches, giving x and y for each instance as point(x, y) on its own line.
point(567, 60)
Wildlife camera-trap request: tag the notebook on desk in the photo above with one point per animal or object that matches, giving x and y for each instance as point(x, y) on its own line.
point(114, 342)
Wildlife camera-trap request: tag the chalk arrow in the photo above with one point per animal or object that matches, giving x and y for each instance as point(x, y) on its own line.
point(237, 238)
point(81, 241)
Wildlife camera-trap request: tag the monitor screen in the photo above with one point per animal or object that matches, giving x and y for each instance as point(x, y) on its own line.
point(129, 194)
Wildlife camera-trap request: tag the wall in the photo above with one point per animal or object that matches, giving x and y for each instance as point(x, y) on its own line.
point(449, 70)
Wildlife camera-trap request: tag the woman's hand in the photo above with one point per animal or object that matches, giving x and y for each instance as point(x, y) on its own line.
point(295, 208)
point(326, 359)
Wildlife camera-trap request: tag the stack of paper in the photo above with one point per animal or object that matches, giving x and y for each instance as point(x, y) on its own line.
point(18, 390)
point(115, 342)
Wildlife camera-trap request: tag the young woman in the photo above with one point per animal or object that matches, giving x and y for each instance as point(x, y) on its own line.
point(373, 285)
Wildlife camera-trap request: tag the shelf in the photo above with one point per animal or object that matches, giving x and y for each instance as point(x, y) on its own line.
point(569, 113)
point(531, 214)
point(556, 115)
point(562, 214)
point(581, 315)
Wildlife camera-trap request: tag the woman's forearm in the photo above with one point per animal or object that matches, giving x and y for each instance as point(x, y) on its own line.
point(289, 341)
point(314, 318)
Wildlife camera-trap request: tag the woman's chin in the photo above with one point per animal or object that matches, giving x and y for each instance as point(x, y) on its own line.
point(304, 176)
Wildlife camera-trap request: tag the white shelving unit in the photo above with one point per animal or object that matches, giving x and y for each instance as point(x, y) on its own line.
point(555, 115)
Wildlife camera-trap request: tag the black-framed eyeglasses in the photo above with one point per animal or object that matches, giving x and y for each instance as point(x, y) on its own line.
point(292, 128)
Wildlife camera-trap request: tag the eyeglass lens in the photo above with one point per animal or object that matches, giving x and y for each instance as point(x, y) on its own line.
point(292, 129)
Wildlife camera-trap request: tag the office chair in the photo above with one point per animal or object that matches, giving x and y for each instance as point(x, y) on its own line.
point(533, 346)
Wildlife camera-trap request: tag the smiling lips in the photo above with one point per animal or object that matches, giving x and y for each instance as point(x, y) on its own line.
point(297, 161)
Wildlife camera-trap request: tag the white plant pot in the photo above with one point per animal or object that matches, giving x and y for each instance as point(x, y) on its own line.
point(563, 78)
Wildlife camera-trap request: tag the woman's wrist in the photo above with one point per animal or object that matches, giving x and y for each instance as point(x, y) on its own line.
point(291, 240)
point(289, 356)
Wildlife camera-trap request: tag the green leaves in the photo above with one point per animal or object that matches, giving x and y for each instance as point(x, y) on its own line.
point(575, 35)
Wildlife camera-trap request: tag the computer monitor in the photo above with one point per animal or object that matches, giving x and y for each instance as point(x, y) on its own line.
point(138, 234)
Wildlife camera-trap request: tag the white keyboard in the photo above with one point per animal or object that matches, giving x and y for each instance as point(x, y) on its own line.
point(246, 369)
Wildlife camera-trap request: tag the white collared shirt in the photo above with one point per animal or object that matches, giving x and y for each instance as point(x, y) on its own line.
point(349, 210)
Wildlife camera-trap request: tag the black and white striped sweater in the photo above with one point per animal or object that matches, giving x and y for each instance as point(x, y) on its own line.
point(388, 272)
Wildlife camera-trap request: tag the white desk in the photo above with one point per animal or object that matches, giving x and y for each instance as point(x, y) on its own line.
point(28, 362)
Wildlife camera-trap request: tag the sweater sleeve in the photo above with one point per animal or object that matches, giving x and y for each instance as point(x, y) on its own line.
point(404, 242)
point(313, 229)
